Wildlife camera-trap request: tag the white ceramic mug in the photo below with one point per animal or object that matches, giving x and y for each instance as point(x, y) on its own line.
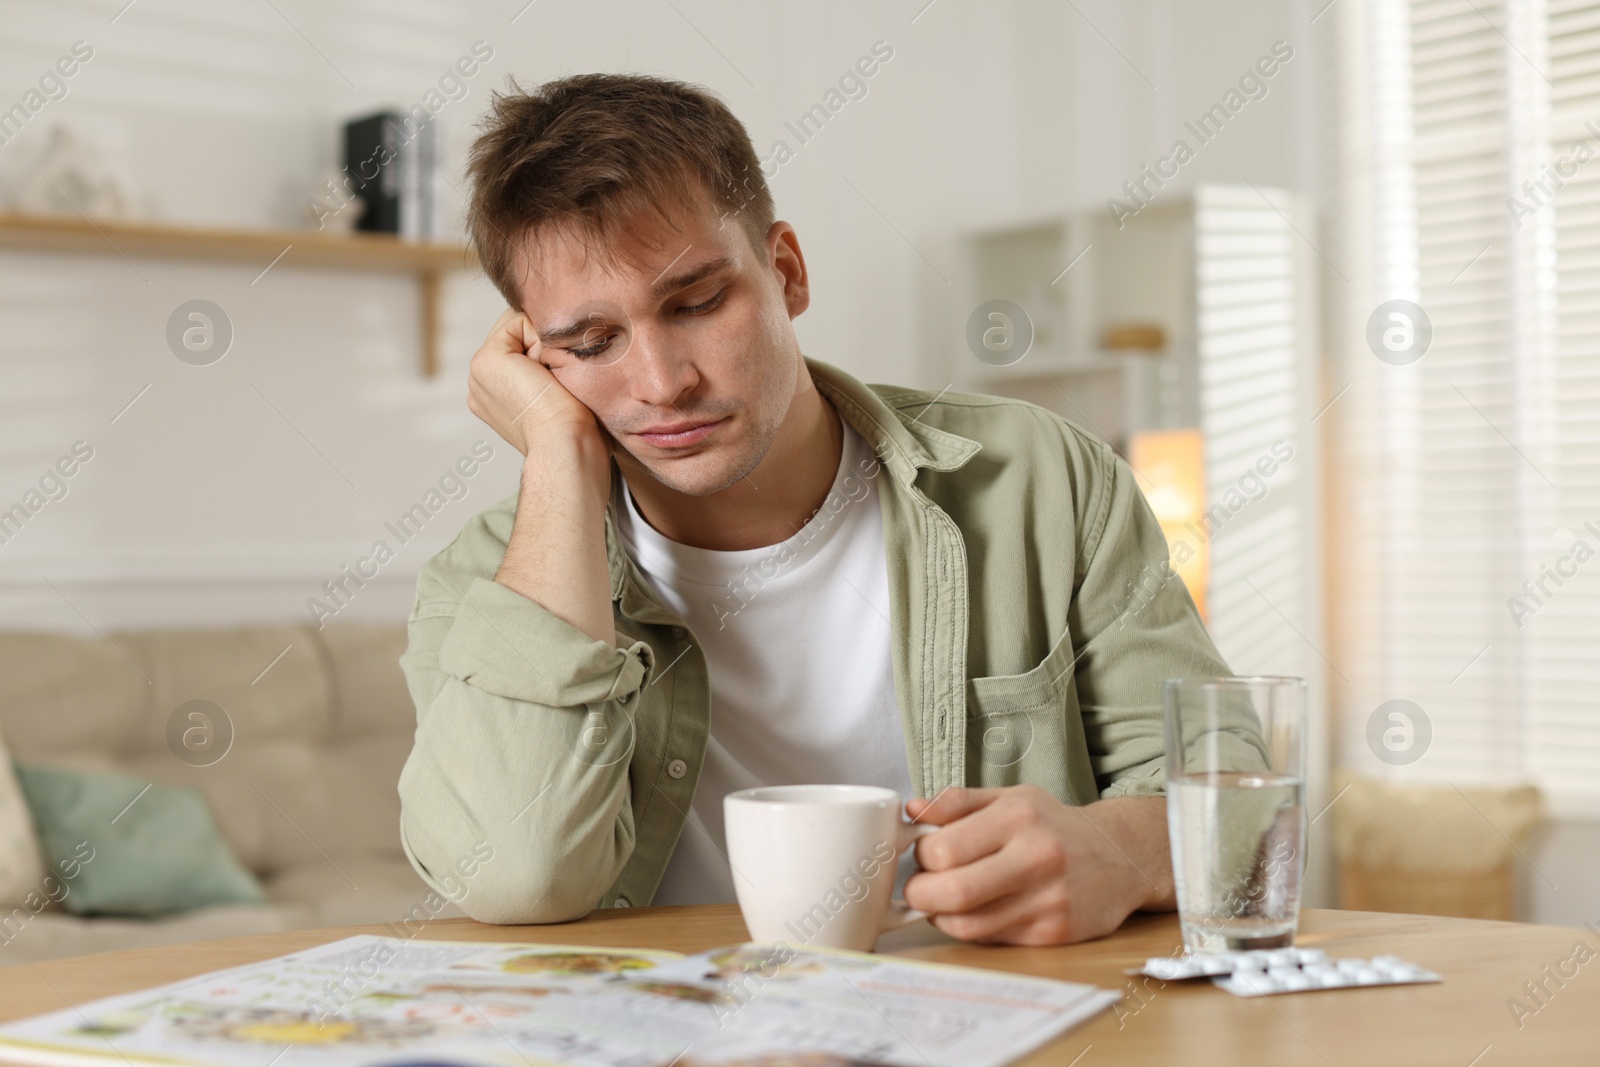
point(815, 864)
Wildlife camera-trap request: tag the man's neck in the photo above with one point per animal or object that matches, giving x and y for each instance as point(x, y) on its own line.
point(773, 502)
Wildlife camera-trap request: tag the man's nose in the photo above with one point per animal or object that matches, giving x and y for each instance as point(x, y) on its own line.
point(663, 372)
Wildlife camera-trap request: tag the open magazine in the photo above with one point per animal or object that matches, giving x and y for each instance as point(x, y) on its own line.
point(391, 1002)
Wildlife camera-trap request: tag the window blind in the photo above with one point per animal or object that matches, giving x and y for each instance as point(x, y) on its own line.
point(1473, 470)
point(1246, 336)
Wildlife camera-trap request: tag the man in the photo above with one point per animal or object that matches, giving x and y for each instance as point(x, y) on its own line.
point(729, 564)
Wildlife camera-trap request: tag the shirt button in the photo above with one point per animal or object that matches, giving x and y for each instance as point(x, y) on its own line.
point(677, 768)
point(678, 631)
point(622, 902)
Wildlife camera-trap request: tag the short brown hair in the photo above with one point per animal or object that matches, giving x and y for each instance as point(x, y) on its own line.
point(596, 149)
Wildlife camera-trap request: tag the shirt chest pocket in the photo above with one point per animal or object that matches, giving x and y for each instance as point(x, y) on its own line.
point(1026, 729)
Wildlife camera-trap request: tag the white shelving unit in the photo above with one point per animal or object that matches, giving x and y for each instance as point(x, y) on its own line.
point(1074, 276)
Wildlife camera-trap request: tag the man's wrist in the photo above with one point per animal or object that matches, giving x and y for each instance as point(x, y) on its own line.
point(1137, 827)
point(558, 448)
point(556, 554)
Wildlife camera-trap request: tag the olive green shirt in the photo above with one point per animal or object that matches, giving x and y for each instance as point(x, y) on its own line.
point(1033, 620)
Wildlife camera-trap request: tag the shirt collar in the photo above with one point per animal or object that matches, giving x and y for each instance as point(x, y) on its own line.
point(902, 441)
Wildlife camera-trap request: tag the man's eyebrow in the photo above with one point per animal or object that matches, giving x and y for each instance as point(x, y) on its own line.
point(561, 331)
point(553, 332)
point(690, 276)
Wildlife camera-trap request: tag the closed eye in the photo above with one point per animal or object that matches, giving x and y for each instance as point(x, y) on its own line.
point(590, 351)
point(709, 305)
point(599, 347)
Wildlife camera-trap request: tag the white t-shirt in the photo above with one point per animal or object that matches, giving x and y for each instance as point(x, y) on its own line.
point(797, 644)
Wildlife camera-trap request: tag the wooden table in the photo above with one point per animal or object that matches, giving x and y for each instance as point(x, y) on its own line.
point(1465, 1020)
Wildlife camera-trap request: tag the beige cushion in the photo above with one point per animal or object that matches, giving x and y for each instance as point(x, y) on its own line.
point(305, 796)
point(22, 867)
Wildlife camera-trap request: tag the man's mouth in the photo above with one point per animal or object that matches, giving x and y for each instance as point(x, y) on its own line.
point(679, 434)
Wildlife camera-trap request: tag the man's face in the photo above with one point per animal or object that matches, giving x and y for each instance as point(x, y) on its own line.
point(682, 347)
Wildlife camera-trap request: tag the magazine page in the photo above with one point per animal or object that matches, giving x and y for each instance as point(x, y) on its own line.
point(365, 999)
point(847, 1008)
point(372, 1001)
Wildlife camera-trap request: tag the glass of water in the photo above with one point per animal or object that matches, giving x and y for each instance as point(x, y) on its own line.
point(1236, 782)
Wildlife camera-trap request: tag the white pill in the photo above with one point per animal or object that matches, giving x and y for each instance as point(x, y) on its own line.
point(1348, 965)
point(1368, 976)
point(1296, 982)
point(1281, 972)
point(1387, 961)
point(1329, 979)
point(1280, 957)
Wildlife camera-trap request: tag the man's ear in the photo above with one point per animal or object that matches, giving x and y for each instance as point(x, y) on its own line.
point(789, 267)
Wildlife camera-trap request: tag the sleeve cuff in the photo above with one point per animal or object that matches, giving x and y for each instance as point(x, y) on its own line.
point(501, 642)
point(1149, 780)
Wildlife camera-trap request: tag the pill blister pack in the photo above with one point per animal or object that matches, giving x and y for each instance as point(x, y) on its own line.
point(1262, 972)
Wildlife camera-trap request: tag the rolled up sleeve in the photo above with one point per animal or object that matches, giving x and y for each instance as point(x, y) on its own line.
point(500, 642)
point(510, 700)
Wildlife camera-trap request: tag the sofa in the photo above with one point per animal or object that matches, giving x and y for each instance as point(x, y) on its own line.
point(304, 793)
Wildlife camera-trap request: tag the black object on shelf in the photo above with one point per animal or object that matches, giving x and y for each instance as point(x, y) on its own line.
point(396, 167)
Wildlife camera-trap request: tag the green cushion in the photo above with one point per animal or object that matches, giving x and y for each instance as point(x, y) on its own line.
point(159, 854)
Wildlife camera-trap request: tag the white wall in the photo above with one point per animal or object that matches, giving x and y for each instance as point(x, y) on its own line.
point(203, 502)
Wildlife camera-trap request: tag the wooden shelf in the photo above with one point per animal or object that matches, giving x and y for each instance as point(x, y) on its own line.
point(298, 249)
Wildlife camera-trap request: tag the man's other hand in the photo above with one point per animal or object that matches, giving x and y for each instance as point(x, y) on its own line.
point(1017, 866)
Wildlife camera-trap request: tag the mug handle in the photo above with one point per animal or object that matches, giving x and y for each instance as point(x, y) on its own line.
point(900, 913)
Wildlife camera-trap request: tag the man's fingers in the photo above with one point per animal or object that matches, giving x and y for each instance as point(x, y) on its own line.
point(969, 839)
point(968, 887)
point(511, 335)
point(528, 337)
point(1004, 915)
point(1012, 920)
point(951, 804)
